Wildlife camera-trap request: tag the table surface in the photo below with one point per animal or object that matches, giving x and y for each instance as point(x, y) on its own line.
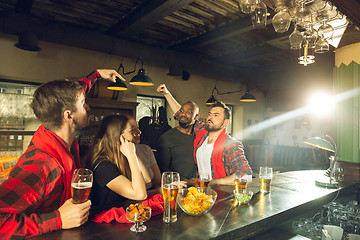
point(291, 194)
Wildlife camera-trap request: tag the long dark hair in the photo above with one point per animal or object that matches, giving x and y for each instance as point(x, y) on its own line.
point(107, 143)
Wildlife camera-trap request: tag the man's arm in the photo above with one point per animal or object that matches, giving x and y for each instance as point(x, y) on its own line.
point(174, 105)
point(88, 81)
point(235, 162)
point(229, 180)
point(21, 199)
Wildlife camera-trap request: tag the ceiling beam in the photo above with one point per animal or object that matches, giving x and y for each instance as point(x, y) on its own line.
point(12, 23)
point(226, 31)
point(351, 8)
point(146, 15)
point(24, 6)
point(250, 54)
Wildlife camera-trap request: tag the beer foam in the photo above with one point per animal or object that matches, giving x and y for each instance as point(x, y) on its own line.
point(81, 185)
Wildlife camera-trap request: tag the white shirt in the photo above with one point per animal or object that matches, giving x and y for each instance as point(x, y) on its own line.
point(203, 158)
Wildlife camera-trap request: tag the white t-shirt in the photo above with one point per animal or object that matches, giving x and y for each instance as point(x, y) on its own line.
point(203, 158)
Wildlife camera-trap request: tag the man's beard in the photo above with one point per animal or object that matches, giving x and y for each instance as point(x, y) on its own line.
point(184, 124)
point(212, 128)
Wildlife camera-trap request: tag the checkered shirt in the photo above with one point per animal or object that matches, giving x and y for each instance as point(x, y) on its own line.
point(234, 158)
point(30, 197)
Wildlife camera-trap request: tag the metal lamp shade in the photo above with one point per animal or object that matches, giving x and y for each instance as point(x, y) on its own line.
point(320, 143)
point(248, 97)
point(211, 100)
point(117, 86)
point(141, 79)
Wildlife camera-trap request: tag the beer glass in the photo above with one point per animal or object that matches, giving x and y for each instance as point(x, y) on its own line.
point(202, 180)
point(81, 184)
point(240, 183)
point(265, 175)
point(170, 185)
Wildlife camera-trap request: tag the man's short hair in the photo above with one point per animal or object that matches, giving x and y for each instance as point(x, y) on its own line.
point(227, 111)
point(191, 102)
point(52, 99)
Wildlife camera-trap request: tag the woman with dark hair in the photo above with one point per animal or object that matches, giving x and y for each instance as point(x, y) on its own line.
point(118, 172)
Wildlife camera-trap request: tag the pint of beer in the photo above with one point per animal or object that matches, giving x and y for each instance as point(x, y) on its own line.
point(170, 184)
point(202, 182)
point(265, 175)
point(81, 184)
point(240, 185)
point(80, 191)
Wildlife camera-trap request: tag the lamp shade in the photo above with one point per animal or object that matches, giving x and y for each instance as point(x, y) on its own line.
point(320, 143)
point(248, 97)
point(117, 86)
point(141, 79)
point(211, 100)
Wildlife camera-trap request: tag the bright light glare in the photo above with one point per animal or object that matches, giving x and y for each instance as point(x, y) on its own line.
point(320, 104)
point(296, 113)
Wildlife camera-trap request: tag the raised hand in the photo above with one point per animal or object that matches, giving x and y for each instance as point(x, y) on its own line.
point(110, 74)
point(127, 148)
point(162, 89)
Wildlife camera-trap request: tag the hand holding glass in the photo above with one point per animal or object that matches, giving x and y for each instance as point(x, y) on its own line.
point(170, 185)
point(81, 184)
point(265, 175)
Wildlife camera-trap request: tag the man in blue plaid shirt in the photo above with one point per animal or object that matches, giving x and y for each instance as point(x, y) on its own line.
point(217, 154)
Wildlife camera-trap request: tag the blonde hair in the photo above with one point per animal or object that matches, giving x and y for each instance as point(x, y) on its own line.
point(107, 143)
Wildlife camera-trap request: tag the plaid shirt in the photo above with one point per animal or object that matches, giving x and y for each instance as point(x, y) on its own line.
point(30, 197)
point(233, 158)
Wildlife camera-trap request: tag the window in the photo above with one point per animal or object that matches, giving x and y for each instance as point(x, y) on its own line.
point(148, 106)
point(17, 120)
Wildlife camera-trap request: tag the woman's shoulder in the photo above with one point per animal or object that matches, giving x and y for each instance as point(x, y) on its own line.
point(143, 147)
point(101, 161)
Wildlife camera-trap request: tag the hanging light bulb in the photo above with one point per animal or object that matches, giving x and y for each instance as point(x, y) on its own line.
point(258, 14)
point(306, 55)
point(281, 20)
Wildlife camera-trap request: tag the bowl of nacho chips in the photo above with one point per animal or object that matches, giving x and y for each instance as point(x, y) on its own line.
point(196, 201)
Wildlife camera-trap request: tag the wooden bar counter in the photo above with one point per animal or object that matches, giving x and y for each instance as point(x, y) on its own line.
point(292, 194)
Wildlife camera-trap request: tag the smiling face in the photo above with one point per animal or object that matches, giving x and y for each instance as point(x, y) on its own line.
point(81, 115)
point(188, 114)
point(216, 121)
point(132, 132)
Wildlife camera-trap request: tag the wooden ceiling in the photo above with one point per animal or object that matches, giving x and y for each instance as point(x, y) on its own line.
point(215, 31)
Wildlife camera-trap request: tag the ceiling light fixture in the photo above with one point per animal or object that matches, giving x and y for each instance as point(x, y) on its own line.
point(141, 79)
point(247, 97)
point(318, 24)
point(117, 86)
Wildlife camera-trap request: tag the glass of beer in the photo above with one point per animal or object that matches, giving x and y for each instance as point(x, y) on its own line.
point(265, 175)
point(240, 183)
point(81, 184)
point(170, 185)
point(202, 180)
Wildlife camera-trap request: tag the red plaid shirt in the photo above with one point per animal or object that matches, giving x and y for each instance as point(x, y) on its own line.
point(30, 197)
point(233, 158)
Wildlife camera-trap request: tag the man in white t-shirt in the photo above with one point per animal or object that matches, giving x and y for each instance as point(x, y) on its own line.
point(216, 152)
